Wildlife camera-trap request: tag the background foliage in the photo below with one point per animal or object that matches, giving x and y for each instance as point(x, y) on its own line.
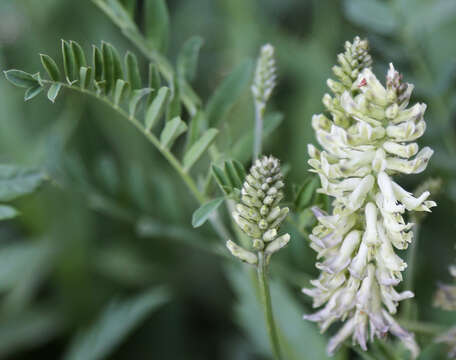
point(103, 261)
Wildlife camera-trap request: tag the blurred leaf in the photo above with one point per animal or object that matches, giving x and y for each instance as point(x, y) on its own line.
point(203, 213)
point(197, 124)
point(30, 93)
point(7, 212)
point(299, 339)
point(53, 91)
point(130, 6)
point(157, 24)
point(156, 109)
point(173, 129)
point(132, 69)
point(27, 329)
point(228, 93)
point(124, 265)
point(84, 76)
point(51, 67)
point(136, 97)
point(16, 181)
point(20, 261)
point(306, 192)
point(232, 175)
point(20, 78)
point(120, 91)
point(198, 148)
point(174, 104)
point(374, 15)
point(187, 60)
point(116, 322)
point(154, 80)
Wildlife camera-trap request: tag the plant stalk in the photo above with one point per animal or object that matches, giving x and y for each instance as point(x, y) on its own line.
point(265, 297)
point(258, 132)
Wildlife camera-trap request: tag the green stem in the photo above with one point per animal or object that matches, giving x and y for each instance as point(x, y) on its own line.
point(267, 306)
point(258, 133)
point(411, 260)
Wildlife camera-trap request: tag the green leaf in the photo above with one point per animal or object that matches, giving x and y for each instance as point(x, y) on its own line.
point(242, 149)
point(17, 181)
point(239, 169)
point(187, 60)
point(115, 323)
point(130, 6)
point(228, 92)
point(51, 67)
point(157, 24)
point(154, 77)
point(121, 91)
point(156, 109)
point(136, 97)
point(108, 67)
point(7, 212)
point(20, 78)
point(154, 81)
point(201, 214)
point(221, 179)
point(232, 175)
point(198, 149)
point(174, 105)
point(173, 129)
point(133, 76)
point(97, 64)
point(85, 77)
point(307, 191)
point(197, 124)
point(79, 56)
point(69, 62)
point(30, 93)
point(53, 91)
point(117, 63)
point(374, 15)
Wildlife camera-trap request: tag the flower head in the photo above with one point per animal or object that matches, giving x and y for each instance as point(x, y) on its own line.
point(368, 138)
point(258, 214)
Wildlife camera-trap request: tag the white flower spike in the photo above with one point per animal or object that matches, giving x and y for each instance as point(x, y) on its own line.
point(368, 139)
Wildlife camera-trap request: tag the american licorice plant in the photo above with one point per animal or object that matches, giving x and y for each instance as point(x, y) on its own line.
point(368, 137)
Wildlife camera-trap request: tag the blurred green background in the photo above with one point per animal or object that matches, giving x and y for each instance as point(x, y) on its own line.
point(113, 224)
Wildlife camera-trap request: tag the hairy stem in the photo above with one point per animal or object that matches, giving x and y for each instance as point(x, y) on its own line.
point(258, 132)
point(265, 296)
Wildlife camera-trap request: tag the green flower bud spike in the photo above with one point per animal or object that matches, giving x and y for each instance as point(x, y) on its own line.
point(258, 214)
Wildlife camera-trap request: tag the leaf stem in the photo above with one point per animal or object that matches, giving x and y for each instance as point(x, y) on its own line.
point(265, 296)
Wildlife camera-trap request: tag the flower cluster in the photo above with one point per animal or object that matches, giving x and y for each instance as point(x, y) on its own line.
point(369, 137)
point(265, 77)
point(259, 214)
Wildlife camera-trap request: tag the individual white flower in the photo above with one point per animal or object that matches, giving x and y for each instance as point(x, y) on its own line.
point(369, 137)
